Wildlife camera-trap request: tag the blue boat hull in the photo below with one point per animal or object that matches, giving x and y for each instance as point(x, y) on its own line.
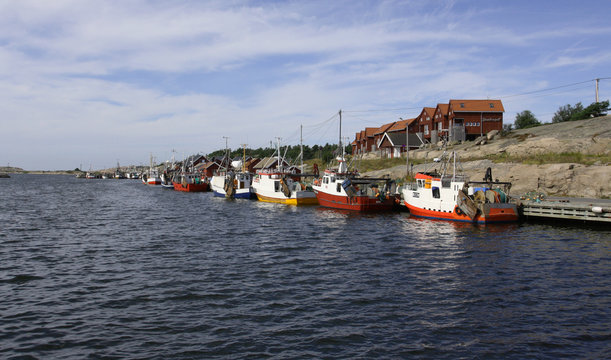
point(238, 195)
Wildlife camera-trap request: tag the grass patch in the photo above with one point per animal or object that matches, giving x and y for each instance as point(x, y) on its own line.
point(552, 158)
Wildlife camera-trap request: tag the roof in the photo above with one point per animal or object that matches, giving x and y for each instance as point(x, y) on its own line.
point(370, 132)
point(444, 108)
point(268, 162)
point(399, 139)
point(399, 125)
point(382, 129)
point(429, 111)
point(477, 105)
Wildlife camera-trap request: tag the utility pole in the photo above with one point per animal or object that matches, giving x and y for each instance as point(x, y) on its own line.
point(597, 80)
point(407, 148)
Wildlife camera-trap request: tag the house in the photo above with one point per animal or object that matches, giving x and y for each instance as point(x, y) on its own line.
point(270, 162)
point(393, 144)
point(208, 168)
point(379, 133)
point(364, 141)
point(425, 123)
point(476, 117)
point(441, 124)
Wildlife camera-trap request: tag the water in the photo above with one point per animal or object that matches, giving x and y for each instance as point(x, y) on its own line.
point(115, 269)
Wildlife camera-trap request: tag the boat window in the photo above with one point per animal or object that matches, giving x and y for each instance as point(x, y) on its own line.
point(436, 192)
point(339, 187)
point(276, 186)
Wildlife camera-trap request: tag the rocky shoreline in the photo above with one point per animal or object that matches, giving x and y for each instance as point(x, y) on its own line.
point(587, 137)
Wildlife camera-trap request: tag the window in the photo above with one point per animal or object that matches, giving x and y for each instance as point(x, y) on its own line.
point(462, 105)
point(426, 129)
point(339, 187)
point(492, 105)
point(436, 194)
point(276, 186)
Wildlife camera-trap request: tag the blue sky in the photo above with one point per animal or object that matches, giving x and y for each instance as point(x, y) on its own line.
point(87, 83)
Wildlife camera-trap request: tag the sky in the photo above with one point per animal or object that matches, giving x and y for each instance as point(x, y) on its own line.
point(91, 83)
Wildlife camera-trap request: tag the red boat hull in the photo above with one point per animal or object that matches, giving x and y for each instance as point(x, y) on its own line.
point(496, 215)
point(190, 187)
point(357, 203)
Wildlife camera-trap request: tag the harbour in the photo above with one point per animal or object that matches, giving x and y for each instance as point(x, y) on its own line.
point(104, 268)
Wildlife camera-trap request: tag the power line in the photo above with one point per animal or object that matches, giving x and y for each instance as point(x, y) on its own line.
point(553, 88)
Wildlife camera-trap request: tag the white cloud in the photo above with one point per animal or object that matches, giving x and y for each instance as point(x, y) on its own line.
point(73, 71)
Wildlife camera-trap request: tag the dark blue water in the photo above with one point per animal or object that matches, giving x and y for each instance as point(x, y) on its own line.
point(118, 270)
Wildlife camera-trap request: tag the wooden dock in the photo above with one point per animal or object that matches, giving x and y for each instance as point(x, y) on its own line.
point(585, 210)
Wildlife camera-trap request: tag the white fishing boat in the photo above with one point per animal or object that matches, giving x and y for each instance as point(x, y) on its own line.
point(152, 176)
point(445, 196)
point(281, 185)
point(231, 183)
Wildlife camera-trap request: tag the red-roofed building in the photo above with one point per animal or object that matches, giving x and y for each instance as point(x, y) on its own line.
point(478, 117)
point(425, 122)
point(441, 124)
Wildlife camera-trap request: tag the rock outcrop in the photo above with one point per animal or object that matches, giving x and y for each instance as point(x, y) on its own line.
point(591, 137)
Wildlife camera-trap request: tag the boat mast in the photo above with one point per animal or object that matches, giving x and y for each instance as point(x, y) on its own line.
point(278, 156)
point(244, 158)
point(226, 154)
point(301, 148)
point(340, 132)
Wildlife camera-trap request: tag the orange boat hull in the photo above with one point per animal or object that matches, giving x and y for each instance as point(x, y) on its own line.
point(495, 215)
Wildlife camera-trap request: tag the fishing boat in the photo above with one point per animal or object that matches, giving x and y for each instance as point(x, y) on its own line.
point(232, 184)
point(152, 176)
point(340, 188)
point(440, 195)
point(166, 181)
point(281, 185)
point(190, 182)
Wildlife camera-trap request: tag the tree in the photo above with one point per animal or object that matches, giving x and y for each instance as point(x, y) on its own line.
point(526, 119)
point(595, 109)
point(565, 113)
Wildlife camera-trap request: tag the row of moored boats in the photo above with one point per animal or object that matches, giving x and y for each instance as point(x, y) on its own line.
point(445, 194)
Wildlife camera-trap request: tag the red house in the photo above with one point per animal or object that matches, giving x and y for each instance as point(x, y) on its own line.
point(477, 117)
point(425, 122)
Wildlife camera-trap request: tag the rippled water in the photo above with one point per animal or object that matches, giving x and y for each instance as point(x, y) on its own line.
point(117, 269)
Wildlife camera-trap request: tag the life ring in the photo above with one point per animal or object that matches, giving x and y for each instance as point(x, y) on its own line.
point(458, 211)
